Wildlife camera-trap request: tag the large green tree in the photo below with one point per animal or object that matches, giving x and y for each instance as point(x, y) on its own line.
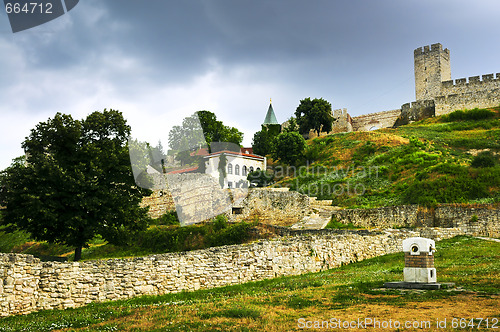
point(263, 142)
point(289, 147)
point(76, 183)
point(314, 114)
point(215, 131)
point(201, 129)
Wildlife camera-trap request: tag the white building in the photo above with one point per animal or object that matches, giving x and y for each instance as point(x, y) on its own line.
point(238, 165)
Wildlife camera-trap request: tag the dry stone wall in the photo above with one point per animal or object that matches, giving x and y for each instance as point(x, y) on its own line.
point(485, 223)
point(27, 285)
point(159, 202)
point(272, 204)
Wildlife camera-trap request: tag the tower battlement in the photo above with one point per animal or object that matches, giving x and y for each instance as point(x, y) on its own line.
point(434, 48)
point(472, 80)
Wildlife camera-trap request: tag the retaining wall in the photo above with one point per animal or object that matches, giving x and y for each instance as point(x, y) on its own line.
point(446, 216)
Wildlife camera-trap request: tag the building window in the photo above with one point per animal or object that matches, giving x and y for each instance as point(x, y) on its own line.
point(229, 169)
point(251, 169)
point(237, 170)
point(258, 168)
point(244, 171)
point(229, 185)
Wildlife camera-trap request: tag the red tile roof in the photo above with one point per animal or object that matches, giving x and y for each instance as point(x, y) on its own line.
point(237, 154)
point(247, 150)
point(200, 152)
point(184, 170)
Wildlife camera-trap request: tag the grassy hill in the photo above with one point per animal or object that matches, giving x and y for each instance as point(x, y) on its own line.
point(447, 159)
point(348, 293)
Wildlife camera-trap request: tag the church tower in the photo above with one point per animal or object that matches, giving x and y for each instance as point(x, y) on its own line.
point(432, 66)
point(271, 124)
point(270, 117)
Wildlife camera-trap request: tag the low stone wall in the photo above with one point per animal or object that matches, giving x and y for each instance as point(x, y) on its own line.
point(446, 216)
point(27, 285)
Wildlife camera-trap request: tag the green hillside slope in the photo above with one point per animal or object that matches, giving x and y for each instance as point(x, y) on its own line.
point(448, 159)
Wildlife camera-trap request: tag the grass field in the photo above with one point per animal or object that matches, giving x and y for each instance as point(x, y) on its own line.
point(348, 293)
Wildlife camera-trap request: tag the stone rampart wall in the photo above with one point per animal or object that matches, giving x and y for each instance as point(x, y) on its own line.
point(446, 216)
point(416, 111)
point(343, 121)
point(468, 100)
point(385, 119)
point(475, 84)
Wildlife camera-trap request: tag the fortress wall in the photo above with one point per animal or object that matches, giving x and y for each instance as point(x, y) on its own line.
point(468, 100)
point(383, 119)
point(274, 204)
point(196, 196)
point(447, 216)
point(342, 121)
point(475, 84)
point(415, 111)
point(27, 285)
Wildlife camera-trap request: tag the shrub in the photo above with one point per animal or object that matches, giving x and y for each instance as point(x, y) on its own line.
point(365, 150)
point(474, 114)
point(334, 224)
point(484, 159)
point(169, 218)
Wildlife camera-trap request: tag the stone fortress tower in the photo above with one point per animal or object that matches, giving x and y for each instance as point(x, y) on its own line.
point(435, 92)
point(438, 94)
point(432, 66)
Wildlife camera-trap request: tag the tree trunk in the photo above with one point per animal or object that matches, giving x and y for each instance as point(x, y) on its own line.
point(78, 253)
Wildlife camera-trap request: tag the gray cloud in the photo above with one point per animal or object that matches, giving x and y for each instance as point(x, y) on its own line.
point(158, 61)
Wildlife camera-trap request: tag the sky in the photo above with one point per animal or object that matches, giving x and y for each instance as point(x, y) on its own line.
point(159, 61)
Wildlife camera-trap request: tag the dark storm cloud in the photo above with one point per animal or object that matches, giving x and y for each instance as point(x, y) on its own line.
point(161, 56)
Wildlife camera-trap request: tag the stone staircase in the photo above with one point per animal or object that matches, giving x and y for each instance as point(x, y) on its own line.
point(319, 218)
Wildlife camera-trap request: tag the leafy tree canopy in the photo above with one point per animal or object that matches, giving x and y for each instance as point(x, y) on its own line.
point(314, 114)
point(289, 147)
point(201, 129)
point(292, 125)
point(263, 142)
point(76, 183)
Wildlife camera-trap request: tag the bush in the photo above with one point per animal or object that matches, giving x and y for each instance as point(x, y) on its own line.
point(169, 218)
point(459, 185)
point(365, 150)
point(474, 114)
point(334, 224)
point(484, 159)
